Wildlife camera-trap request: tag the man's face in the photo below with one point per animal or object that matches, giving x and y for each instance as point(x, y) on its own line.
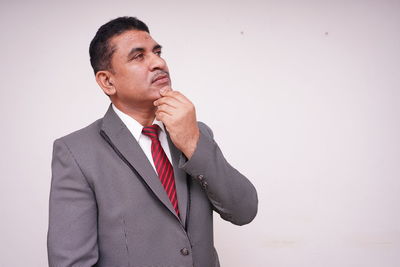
point(138, 71)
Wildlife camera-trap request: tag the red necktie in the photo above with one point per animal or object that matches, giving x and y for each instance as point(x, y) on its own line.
point(163, 166)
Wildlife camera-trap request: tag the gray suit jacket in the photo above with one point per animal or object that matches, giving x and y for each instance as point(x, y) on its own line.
point(108, 207)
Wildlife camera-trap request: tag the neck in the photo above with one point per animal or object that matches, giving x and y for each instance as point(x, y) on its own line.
point(143, 114)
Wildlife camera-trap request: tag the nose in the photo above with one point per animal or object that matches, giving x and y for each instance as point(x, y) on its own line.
point(156, 62)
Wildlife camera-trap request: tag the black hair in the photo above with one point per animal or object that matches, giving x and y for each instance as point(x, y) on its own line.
point(100, 51)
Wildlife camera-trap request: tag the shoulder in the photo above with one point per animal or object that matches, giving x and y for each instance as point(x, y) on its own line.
point(82, 138)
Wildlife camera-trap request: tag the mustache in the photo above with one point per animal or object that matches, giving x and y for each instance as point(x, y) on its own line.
point(159, 75)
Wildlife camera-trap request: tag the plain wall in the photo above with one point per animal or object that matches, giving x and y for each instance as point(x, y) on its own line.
point(303, 98)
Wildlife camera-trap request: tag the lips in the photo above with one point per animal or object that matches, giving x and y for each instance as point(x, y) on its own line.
point(161, 78)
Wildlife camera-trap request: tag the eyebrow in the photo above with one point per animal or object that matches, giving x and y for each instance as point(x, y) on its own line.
point(141, 49)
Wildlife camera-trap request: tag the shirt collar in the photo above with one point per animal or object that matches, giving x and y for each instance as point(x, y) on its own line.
point(133, 125)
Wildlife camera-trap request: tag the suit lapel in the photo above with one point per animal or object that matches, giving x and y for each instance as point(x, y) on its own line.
point(120, 138)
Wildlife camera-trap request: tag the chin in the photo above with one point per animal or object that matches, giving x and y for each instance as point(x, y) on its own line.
point(156, 95)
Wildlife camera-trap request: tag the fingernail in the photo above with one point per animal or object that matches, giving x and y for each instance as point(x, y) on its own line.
point(162, 90)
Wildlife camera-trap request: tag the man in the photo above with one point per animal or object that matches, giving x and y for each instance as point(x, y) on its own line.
point(115, 198)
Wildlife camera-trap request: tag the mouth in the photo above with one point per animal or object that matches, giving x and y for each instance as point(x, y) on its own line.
point(161, 78)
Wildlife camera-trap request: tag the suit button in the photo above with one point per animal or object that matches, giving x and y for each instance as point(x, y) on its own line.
point(184, 251)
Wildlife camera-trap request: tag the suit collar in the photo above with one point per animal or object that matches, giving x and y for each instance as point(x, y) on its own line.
point(133, 125)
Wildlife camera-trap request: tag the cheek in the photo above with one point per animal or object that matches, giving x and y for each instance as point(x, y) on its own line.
point(133, 77)
point(138, 75)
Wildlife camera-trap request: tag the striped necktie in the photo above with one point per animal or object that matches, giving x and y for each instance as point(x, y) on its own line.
point(163, 166)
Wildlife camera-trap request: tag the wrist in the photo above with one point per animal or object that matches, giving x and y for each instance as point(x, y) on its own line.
point(191, 145)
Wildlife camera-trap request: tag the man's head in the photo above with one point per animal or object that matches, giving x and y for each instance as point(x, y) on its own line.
point(127, 63)
point(100, 50)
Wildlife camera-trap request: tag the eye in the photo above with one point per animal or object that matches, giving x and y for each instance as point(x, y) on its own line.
point(138, 56)
point(157, 52)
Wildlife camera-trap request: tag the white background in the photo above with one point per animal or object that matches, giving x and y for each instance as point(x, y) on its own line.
point(303, 98)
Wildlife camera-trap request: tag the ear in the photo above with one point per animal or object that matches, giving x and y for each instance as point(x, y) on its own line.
point(105, 81)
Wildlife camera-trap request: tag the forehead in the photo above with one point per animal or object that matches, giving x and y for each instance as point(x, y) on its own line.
point(127, 40)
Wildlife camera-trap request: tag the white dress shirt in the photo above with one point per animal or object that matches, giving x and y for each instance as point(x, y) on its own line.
point(144, 141)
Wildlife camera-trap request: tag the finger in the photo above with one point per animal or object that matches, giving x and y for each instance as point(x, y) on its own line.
point(163, 117)
point(177, 95)
point(167, 100)
point(165, 89)
point(167, 109)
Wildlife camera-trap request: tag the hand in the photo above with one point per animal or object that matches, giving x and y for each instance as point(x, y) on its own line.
point(179, 117)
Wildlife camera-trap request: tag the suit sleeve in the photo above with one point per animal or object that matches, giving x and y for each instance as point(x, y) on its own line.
point(231, 193)
point(72, 233)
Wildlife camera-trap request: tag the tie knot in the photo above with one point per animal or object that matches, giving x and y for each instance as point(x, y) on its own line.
point(151, 131)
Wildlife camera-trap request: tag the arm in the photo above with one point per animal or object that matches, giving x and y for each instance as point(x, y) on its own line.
point(72, 233)
point(231, 193)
